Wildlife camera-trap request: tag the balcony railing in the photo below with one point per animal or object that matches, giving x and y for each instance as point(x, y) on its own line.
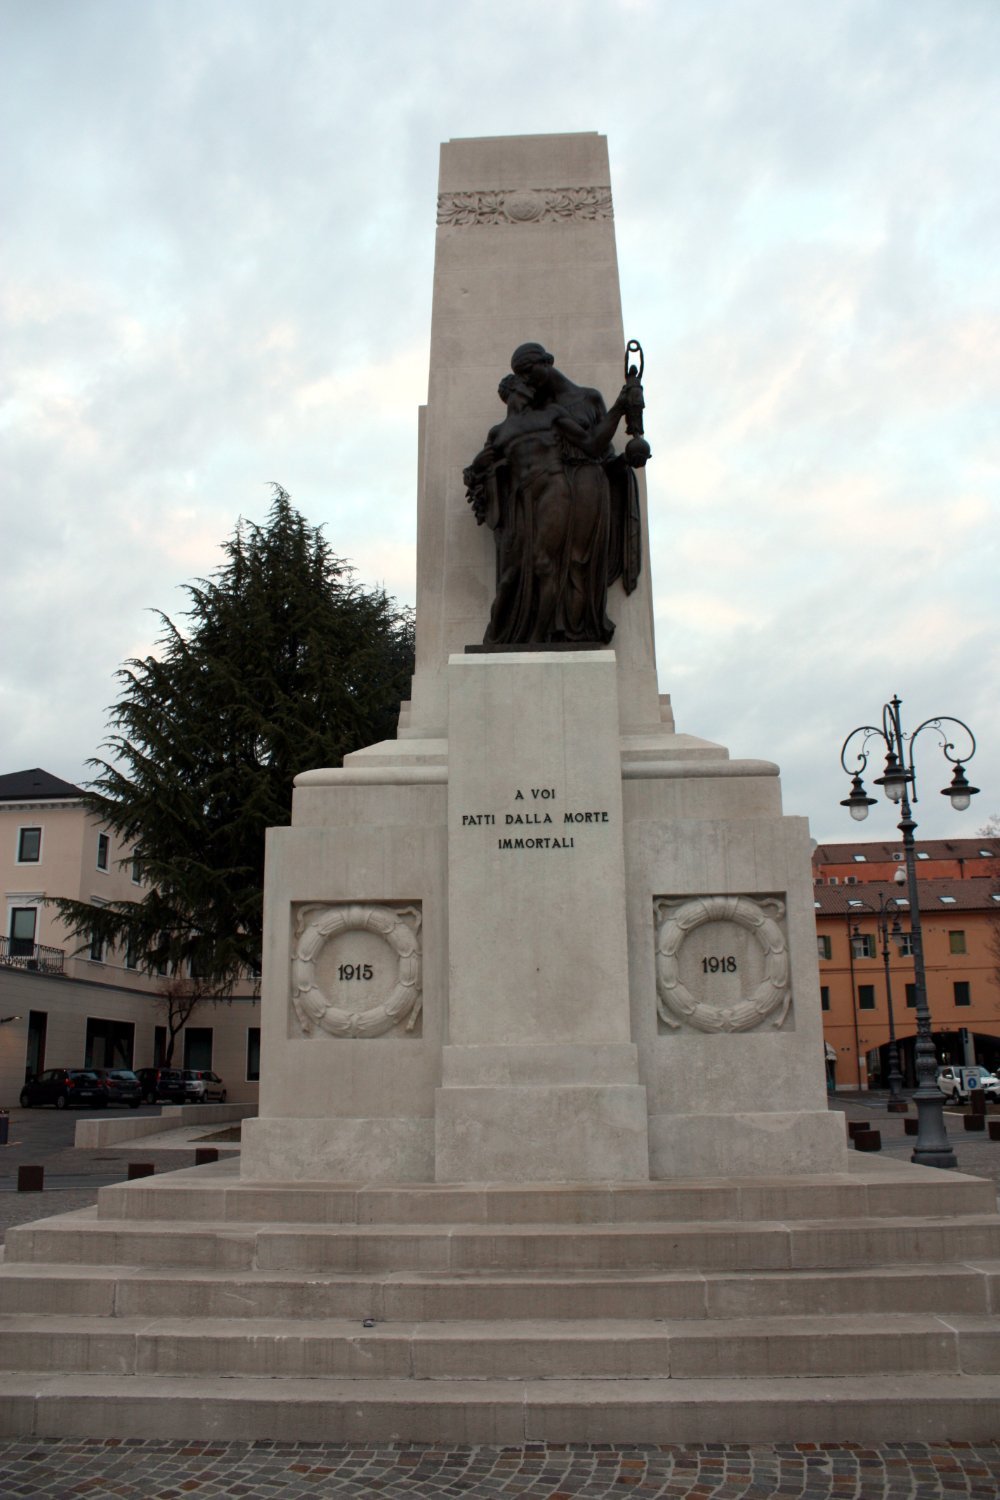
point(18, 953)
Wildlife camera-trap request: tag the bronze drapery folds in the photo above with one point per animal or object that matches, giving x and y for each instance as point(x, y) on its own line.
point(563, 506)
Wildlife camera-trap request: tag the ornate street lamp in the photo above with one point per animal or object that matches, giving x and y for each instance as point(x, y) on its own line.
point(897, 935)
point(899, 783)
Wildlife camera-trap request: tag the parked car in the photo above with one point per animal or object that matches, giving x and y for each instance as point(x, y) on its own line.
point(957, 1083)
point(161, 1085)
point(64, 1087)
point(201, 1086)
point(121, 1086)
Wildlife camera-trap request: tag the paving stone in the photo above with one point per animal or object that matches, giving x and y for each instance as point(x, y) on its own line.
point(140, 1469)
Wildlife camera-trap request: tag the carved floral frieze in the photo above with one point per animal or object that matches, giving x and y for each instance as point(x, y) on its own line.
point(525, 205)
point(398, 928)
point(768, 1001)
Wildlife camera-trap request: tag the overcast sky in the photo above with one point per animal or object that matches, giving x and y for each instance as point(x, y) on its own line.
point(218, 243)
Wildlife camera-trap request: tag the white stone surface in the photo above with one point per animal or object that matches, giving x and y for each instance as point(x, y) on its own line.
point(335, 1148)
point(540, 1051)
point(497, 286)
point(543, 1133)
point(538, 953)
point(537, 934)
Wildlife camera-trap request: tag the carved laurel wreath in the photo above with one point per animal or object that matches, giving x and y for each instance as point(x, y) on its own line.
point(524, 205)
point(315, 925)
point(675, 1004)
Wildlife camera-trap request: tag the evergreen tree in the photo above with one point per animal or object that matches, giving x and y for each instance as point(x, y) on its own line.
point(285, 663)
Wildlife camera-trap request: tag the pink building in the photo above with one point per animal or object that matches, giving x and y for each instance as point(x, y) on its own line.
point(61, 1005)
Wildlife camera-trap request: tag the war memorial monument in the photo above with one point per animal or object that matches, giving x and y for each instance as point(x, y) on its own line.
point(543, 1148)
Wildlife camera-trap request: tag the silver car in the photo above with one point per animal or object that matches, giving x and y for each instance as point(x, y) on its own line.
point(202, 1086)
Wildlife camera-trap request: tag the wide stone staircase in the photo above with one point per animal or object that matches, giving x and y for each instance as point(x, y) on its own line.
point(862, 1306)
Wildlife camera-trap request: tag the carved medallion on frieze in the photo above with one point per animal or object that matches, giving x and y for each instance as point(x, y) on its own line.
point(721, 963)
point(356, 969)
point(525, 205)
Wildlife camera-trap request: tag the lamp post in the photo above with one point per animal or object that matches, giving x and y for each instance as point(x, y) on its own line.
point(885, 932)
point(898, 781)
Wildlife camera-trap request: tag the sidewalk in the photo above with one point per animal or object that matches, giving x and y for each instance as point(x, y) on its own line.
point(138, 1469)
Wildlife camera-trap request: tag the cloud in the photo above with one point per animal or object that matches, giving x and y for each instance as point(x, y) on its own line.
point(219, 273)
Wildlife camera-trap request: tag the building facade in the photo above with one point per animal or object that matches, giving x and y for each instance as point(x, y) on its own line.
point(66, 1005)
point(959, 884)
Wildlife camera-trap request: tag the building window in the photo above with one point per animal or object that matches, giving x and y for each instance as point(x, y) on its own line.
point(911, 997)
point(38, 1022)
point(96, 951)
point(22, 931)
point(866, 945)
point(198, 1046)
point(136, 870)
point(866, 997)
point(109, 1044)
point(253, 1054)
point(29, 846)
point(962, 995)
point(906, 945)
point(860, 859)
point(131, 954)
point(948, 900)
point(824, 996)
point(103, 850)
point(824, 947)
point(956, 942)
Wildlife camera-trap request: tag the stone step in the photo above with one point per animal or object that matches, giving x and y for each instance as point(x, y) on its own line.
point(84, 1239)
point(873, 1189)
point(540, 1349)
point(878, 1408)
point(392, 1296)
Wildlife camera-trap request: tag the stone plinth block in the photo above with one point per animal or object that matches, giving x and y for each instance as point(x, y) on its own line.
point(564, 1133)
point(338, 1150)
point(734, 1145)
point(537, 932)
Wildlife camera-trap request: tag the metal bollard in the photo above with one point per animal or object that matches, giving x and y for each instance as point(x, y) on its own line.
point(31, 1179)
point(975, 1122)
point(4, 1126)
point(140, 1169)
point(911, 1127)
point(995, 1130)
point(204, 1154)
point(868, 1140)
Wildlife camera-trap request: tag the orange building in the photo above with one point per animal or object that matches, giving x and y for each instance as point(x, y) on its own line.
point(959, 883)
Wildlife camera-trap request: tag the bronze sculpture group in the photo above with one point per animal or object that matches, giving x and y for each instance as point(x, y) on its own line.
point(563, 506)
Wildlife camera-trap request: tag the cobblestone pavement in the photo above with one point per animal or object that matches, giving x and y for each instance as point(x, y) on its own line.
point(149, 1469)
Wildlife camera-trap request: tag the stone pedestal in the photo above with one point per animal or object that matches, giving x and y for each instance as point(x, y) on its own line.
point(540, 1079)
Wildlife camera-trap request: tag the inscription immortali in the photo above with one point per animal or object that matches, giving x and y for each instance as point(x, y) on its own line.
point(537, 817)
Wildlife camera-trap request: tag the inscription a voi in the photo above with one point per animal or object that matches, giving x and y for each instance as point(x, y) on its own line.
point(535, 819)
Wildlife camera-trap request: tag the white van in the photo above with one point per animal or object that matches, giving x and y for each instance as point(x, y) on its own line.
point(957, 1083)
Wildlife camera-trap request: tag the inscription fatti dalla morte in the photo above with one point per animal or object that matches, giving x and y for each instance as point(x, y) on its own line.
point(539, 816)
